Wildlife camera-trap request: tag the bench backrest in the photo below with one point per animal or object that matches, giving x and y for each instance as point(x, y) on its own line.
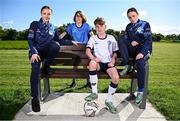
point(74, 56)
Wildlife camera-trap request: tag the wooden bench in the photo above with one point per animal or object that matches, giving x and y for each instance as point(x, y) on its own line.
point(75, 56)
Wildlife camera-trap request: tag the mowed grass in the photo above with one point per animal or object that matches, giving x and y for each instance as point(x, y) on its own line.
point(10, 44)
point(164, 91)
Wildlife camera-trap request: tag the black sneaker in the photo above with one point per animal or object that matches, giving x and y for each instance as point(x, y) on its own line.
point(35, 105)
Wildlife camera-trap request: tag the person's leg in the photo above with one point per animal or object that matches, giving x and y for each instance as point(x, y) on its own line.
point(34, 79)
point(126, 51)
point(51, 52)
point(132, 51)
point(88, 84)
point(112, 72)
point(123, 50)
point(93, 80)
point(65, 42)
point(73, 84)
point(140, 74)
point(141, 78)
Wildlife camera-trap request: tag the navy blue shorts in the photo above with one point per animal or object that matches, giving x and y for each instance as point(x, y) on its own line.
point(104, 67)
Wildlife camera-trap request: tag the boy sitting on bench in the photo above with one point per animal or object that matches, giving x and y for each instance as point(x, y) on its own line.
point(103, 59)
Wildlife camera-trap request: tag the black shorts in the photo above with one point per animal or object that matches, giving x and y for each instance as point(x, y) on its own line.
point(103, 67)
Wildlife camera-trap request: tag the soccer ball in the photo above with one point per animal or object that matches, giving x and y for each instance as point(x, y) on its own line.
point(90, 108)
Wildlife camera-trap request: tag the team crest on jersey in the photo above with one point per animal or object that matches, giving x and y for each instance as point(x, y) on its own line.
point(51, 32)
point(109, 42)
point(96, 43)
point(139, 30)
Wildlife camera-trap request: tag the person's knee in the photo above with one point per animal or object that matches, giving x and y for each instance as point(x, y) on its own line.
point(92, 65)
point(35, 67)
point(140, 63)
point(115, 78)
point(55, 46)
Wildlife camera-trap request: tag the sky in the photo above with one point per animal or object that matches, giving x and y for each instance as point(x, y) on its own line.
point(163, 15)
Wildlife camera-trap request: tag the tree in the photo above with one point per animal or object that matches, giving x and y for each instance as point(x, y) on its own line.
point(178, 37)
point(22, 35)
point(157, 37)
point(116, 34)
point(62, 29)
point(2, 33)
point(10, 34)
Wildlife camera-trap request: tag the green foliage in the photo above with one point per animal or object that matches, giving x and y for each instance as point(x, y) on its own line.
point(116, 34)
point(173, 37)
point(157, 37)
point(22, 35)
point(12, 34)
point(63, 29)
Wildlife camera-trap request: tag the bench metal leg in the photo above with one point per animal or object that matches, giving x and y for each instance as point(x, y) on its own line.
point(132, 90)
point(133, 85)
point(46, 90)
point(143, 104)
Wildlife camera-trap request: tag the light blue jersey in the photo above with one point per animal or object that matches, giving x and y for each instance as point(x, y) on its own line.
point(79, 34)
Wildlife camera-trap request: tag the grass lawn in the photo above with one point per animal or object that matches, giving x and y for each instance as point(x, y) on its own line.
point(9, 44)
point(164, 91)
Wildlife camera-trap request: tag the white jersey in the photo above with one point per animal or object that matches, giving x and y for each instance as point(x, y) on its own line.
point(103, 48)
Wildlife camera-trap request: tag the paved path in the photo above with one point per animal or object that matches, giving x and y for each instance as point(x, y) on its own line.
point(69, 107)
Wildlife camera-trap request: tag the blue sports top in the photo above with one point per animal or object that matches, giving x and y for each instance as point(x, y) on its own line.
point(79, 34)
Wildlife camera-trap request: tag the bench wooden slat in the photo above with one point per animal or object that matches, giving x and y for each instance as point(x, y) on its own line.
point(72, 54)
point(81, 73)
point(70, 62)
point(73, 48)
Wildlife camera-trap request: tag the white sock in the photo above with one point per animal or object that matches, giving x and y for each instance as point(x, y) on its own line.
point(111, 91)
point(93, 81)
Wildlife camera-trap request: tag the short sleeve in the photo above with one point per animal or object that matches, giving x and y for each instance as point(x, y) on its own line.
point(69, 29)
point(115, 45)
point(88, 28)
point(90, 43)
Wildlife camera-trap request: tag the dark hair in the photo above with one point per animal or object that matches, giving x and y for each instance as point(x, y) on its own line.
point(45, 7)
point(132, 10)
point(100, 21)
point(81, 14)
